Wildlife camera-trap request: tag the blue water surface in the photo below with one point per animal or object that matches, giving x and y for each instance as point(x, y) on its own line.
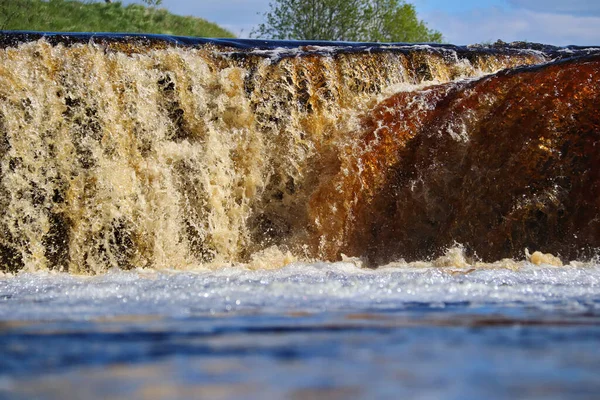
point(307, 331)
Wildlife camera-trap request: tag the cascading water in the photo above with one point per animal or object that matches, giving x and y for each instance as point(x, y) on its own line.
point(139, 153)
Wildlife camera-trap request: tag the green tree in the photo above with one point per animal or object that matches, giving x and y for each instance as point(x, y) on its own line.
point(152, 3)
point(346, 20)
point(311, 20)
point(396, 21)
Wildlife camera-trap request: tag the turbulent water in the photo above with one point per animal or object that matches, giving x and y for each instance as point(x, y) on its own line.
point(188, 218)
point(142, 153)
point(321, 330)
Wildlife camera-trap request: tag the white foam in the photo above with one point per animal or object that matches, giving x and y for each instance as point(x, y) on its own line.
point(310, 287)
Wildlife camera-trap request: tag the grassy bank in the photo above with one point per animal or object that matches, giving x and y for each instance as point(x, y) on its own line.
point(76, 16)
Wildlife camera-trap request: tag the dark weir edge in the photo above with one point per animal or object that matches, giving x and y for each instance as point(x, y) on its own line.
point(285, 48)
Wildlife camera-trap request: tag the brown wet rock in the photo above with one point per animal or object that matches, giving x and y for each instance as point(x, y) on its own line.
point(508, 162)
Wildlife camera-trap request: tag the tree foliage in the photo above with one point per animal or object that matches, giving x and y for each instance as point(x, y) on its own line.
point(345, 20)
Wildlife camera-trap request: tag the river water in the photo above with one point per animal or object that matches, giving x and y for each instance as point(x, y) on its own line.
point(329, 330)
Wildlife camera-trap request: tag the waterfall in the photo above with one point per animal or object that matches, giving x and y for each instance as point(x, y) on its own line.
point(161, 152)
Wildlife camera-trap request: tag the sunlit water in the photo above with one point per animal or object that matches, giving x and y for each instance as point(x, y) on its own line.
point(213, 166)
point(321, 329)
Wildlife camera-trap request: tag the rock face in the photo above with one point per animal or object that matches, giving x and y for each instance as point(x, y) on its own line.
point(170, 152)
point(507, 162)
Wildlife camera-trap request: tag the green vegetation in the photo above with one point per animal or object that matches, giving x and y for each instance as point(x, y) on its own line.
point(349, 20)
point(76, 16)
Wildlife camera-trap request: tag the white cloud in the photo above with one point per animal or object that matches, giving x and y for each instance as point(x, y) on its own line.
point(484, 25)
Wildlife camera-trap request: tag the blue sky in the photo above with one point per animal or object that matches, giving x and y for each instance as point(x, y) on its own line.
point(559, 22)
